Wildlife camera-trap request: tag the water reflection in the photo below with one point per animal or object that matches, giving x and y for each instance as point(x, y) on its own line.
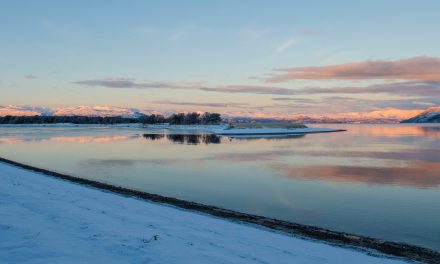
point(419, 174)
point(189, 139)
point(250, 156)
point(10, 140)
point(284, 151)
point(195, 139)
point(393, 131)
point(65, 139)
point(266, 137)
point(129, 162)
point(377, 180)
point(89, 139)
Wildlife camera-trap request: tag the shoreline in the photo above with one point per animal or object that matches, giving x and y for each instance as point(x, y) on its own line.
point(342, 239)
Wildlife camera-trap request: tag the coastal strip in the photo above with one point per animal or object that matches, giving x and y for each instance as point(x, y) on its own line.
point(239, 133)
point(342, 239)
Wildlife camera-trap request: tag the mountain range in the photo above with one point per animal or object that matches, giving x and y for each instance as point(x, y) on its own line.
point(431, 115)
point(389, 115)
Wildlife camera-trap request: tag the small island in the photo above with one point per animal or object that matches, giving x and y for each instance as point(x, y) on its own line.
point(212, 123)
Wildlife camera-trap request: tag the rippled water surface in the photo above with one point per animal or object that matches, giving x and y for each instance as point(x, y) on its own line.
point(376, 180)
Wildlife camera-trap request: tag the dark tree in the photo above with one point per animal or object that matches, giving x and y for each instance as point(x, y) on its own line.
point(211, 118)
point(177, 119)
point(192, 118)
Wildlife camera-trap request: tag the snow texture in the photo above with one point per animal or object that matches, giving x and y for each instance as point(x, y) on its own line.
point(47, 220)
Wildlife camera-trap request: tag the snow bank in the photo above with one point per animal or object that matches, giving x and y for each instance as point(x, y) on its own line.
point(271, 131)
point(47, 220)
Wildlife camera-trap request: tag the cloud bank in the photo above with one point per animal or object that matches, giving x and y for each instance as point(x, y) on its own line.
point(409, 88)
point(132, 84)
point(168, 102)
point(414, 88)
point(417, 68)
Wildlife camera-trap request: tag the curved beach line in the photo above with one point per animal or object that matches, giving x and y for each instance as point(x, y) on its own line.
point(343, 239)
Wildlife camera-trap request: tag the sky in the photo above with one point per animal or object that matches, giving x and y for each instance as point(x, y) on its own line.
point(242, 58)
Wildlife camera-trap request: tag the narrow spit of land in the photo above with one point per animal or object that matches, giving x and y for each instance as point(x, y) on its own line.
point(48, 220)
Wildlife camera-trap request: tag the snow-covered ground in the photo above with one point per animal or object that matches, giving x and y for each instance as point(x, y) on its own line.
point(47, 220)
point(271, 131)
point(214, 129)
point(225, 130)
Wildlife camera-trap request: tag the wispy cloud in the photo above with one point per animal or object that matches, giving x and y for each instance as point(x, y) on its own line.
point(430, 88)
point(248, 89)
point(30, 76)
point(416, 88)
point(286, 44)
point(132, 84)
point(293, 99)
point(413, 88)
point(231, 104)
point(417, 68)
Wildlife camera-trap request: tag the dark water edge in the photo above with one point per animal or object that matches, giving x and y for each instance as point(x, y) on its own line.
point(371, 245)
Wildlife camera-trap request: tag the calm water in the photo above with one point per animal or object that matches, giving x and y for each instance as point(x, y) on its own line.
point(376, 180)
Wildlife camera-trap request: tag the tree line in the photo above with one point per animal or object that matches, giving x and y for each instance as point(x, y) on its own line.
point(188, 119)
point(175, 119)
point(186, 138)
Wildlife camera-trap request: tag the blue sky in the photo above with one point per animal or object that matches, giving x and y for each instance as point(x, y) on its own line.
point(49, 48)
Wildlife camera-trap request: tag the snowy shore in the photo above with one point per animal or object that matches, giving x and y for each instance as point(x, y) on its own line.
point(220, 130)
point(48, 220)
point(226, 130)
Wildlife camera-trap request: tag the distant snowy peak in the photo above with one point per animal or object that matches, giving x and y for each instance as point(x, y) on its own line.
point(389, 115)
point(14, 110)
point(431, 115)
point(84, 110)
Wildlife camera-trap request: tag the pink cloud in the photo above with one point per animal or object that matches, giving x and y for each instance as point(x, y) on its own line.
point(417, 68)
point(426, 171)
point(226, 104)
point(408, 88)
point(412, 88)
point(132, 84)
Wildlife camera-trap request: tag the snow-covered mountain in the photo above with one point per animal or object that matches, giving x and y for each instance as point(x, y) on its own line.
point(85, 110)
point(82, 110)
point(431, 115)
point(14, 110)
point(389, 115)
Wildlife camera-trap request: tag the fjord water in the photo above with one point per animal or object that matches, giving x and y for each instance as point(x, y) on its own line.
point(381, 181)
